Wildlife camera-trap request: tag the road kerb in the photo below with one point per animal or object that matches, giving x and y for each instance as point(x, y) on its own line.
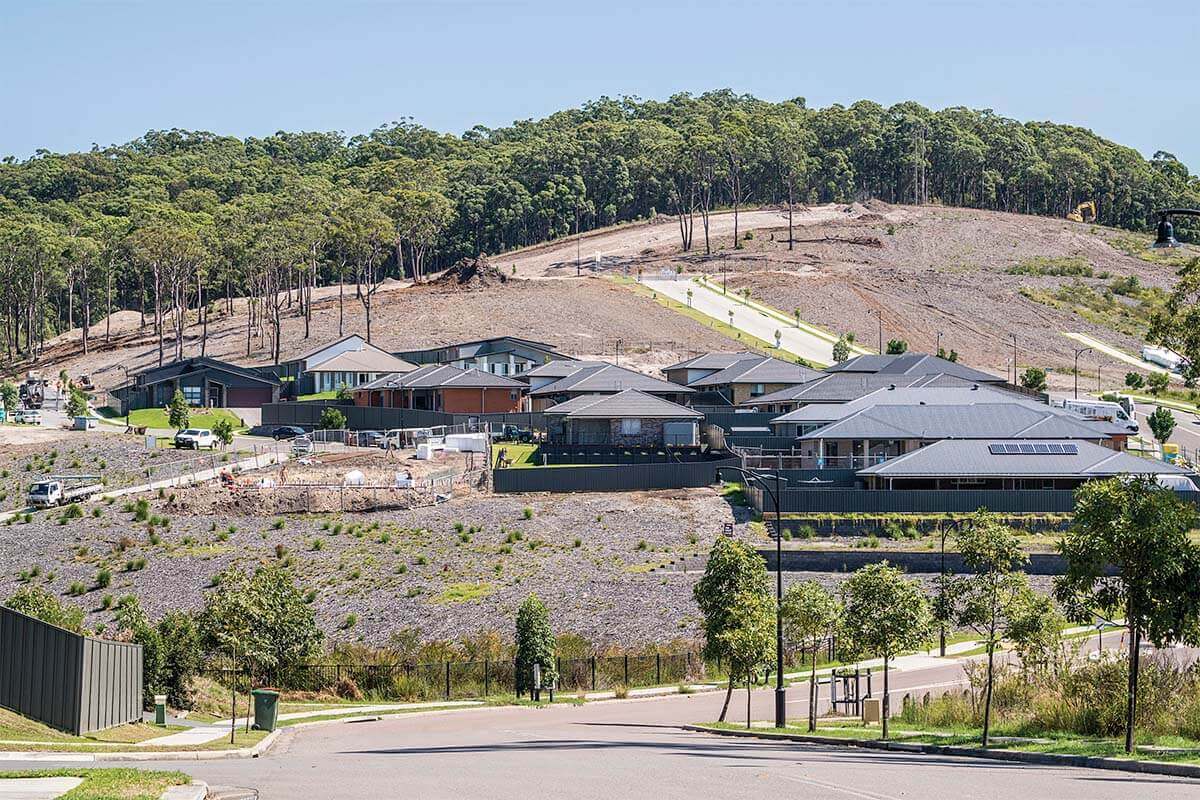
point(1024, 757)
point(196, 790)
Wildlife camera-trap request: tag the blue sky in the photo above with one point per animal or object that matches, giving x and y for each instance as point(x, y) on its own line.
point(78, 73)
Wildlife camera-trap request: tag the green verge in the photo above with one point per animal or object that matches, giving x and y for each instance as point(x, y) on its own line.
point(107, 784)
point(1154, 748)
point(157, 418)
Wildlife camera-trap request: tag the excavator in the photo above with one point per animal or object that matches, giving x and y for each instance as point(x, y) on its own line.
point(1084, 212)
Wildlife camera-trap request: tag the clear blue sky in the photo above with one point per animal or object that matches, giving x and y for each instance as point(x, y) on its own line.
point(78, 73)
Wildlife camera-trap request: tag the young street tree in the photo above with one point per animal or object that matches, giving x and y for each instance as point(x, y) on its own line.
point(993, 594)
point(1162, 424)
point(748, 640)
point(178, 412)
point(733, 568)
point(810, 617)
point(1140, 529)
point(535, 645)
point(884, 614)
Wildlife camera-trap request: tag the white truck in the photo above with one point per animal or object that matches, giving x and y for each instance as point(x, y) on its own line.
point(58, 490)
point(1118, 413)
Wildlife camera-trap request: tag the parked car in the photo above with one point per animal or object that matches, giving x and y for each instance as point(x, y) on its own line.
point(369, 438)
point(29, 416)
point(287, 432)
point(302, 446)
point(513, 433)
point(195, 438)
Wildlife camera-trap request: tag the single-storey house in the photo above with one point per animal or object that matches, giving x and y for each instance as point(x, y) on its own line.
point(843, 387)
point(628, 418)
point(703, 365)
point(912, 364)
point(349, 362)
point(440, 387)
point(604, 379)
point(205, 382)
point(879, 433)
point(503, 355)
point(555, 370)
point(1010, 464)
point(752, 377)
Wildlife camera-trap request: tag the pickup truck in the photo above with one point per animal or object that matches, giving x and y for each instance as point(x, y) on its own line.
point(195, 438)
point(45, 494)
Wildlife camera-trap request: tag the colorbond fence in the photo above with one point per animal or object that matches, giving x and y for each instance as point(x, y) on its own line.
point(922, 501)
point(619, 478)
point(308, 415)
point(70, 682)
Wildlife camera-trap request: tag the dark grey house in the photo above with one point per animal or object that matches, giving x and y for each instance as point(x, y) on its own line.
point(912, 364)
point(629, 418)
point(604, 379)
point(843, 387)
point(205, 382)
point(503, 355)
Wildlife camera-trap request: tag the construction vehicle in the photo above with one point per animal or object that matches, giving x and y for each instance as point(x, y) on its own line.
point(1084, 212)
point(57, 490)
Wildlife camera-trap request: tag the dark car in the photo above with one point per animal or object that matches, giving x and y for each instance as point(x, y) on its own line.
point(287, 432)
point(513, 433)
point(369, 438)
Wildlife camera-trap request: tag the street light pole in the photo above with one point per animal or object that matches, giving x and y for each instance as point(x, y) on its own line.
point(1078, 352)
point(1015, 381)
point(780, 691)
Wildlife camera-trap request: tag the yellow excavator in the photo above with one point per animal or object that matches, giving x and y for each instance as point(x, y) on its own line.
point(1084, 212)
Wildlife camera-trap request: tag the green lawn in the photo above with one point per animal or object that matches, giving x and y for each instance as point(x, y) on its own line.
point(107, 784)
point(520, 454)
point(329, 395)
point(157, 418)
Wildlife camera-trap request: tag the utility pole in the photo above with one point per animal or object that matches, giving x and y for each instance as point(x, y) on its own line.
point(1014, 338)
point(938, 351)
point(879, 315)
point(1078, 352)
point(577, 240)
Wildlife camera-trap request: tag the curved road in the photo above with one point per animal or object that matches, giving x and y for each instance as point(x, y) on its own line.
point(635, 749)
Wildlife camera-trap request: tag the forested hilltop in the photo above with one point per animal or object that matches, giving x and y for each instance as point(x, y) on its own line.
point(175, 222)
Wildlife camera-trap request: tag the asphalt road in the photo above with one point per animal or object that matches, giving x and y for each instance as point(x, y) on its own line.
point(634, 749)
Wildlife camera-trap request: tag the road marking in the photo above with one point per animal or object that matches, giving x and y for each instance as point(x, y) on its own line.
point(836, 788)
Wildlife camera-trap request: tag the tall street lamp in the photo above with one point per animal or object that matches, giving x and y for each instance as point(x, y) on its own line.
point(762, 480)
point(1078, 352)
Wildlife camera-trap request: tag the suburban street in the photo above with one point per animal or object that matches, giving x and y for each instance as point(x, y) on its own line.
point(796, 341)
point(618, 749)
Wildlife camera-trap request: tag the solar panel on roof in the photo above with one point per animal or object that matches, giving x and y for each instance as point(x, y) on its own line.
point(1033, 448)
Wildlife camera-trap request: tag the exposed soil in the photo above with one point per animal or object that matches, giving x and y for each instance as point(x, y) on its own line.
point(470, 273)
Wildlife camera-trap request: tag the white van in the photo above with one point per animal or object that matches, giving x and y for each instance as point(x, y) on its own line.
point(1103, 409)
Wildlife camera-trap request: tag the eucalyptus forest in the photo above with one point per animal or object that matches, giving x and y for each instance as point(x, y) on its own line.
point(178, 223)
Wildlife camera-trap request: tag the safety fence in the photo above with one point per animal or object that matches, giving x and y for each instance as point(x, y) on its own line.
point(457, 680)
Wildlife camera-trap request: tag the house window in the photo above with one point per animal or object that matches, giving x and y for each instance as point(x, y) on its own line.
point(192, 395)
point(757, 390)
point(631, 427)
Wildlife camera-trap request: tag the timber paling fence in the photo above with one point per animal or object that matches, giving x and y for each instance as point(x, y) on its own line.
point(456, 680)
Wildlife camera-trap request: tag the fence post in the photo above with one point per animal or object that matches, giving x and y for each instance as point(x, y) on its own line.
point(657, 669)
point(487, 686)
point(447, 680)
point(627, 670)
point(593, 673)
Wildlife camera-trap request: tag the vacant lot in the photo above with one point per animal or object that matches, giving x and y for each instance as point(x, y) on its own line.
point(456, 568)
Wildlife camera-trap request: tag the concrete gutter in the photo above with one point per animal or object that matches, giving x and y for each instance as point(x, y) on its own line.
point(196, 790)
point(1020, 756)
point(179, 755)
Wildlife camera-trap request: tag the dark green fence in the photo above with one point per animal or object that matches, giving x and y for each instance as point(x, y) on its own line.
point(73, 683)
point(617, 478)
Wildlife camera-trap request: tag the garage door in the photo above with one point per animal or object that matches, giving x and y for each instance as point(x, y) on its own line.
point(247, 398)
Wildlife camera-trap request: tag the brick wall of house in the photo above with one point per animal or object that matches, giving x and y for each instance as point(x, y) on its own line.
point(651, 433)
point(480, 401)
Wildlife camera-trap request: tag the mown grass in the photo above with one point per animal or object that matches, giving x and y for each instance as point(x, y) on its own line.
point(110, 784)
point(157, 418)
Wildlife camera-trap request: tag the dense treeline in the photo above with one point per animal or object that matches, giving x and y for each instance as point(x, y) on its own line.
point(175, 223)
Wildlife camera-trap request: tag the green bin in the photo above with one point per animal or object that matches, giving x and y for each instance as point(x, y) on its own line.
point(266, 709)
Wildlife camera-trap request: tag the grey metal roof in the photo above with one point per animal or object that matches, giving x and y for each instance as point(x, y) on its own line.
point(842, 387)
point(627, 404)
point(560, 368)
point(912, 364)
point(187, 366)
point(439, 376)
point(713, 361)
point(963, 458)
point(924, 395)
point(608, 378)
point(758, 369)
point(1004, 420)
point(365, 360)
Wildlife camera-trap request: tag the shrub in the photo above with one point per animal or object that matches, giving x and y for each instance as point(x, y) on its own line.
point(40, 604)
point(347, 689)
point(103, 578)
point(527, 512)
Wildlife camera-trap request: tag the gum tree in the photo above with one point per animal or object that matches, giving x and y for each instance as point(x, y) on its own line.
point(810, 616)
point(733, 568)
point(1129, 553)
point(884, 614)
